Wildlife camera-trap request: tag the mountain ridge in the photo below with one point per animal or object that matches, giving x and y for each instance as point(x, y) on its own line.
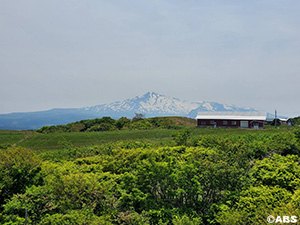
point(151, 104)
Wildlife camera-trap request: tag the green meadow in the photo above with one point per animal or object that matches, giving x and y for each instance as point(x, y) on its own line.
point(51, 141)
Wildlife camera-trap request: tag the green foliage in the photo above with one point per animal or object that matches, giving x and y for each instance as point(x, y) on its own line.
point(102, 127)
point(276, 122)
point(207, 142)
point(254, 205)
point(9, 138)
point(257, 149)
point(123, 122)
point(78, 217)
point(182, 137)
point(284, 144)
point(62, 192)
point(5, 146)
point(77, 190)
point(296, 121)
point(296, 132)
point(55, 129)
point(19, 168)
point(263, 197)
point(275, 191)
point(103, 124)
point(278, 171)
point(213, 176)
point(109, 124)
point(132, 217)
point(38, 201)
point(141, 125)
point(185, 220)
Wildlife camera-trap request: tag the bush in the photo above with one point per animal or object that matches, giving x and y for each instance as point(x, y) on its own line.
point(277, 171)
point(78, 217)
point(284, 144)
point(182, 137)
point(257, 149)
point(37, 200)
point(102, 127)
point(19, 168)
point(254, 206)
point(185, 220)
point(122, 122)
point(296, 132)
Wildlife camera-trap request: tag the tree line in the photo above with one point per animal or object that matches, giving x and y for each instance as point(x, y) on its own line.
point(109, 124)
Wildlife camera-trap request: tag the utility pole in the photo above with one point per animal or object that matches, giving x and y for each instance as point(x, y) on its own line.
point(26, 212)
point(275, 118)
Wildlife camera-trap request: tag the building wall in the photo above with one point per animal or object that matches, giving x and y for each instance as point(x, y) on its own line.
point(227, 123)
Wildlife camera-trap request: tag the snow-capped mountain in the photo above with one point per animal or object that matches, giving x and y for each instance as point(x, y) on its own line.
point(150, 104)
point(155, 104)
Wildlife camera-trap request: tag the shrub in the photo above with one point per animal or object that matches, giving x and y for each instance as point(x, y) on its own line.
point(277, 171)
point(19, 168)
point(257, 149)
point(122, 122)
point(102, 127)
point(296, 132)
point(37, 200)
point(141, 125)
point(182, 137)
point(284, 144)
point(185, 220)
point(254, 206)
point(78, 217)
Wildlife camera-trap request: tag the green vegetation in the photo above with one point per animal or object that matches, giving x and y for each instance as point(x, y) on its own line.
point(296, 120)
point(109, 124)
point(8, 137)
point(161, 175)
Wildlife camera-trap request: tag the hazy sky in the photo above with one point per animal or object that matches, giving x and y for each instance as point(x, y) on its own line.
point(59, 54)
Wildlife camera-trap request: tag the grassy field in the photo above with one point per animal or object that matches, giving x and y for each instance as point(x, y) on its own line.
point(51, 141)
point(55, 141)
point(183, 121)
point(13, 137)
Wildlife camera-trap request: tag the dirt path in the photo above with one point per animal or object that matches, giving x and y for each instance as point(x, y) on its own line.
point(20, 141)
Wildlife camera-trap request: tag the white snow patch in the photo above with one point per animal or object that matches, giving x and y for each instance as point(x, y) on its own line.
point(208, 106)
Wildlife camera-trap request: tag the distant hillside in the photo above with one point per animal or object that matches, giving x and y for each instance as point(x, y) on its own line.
point(183, 121)
point(150, 104)
point(109, 124)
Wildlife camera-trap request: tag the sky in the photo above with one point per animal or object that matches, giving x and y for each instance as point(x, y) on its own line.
point(71, 53)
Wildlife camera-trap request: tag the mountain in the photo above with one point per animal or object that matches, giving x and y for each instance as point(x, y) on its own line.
point(153, 104)
point(150, 104)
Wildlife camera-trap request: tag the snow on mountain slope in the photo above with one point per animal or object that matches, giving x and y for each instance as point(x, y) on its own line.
point(154, 104)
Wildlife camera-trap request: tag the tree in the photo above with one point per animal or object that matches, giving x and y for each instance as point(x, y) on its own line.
point(122, 122)
point(276, 122)
point(138, 116)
